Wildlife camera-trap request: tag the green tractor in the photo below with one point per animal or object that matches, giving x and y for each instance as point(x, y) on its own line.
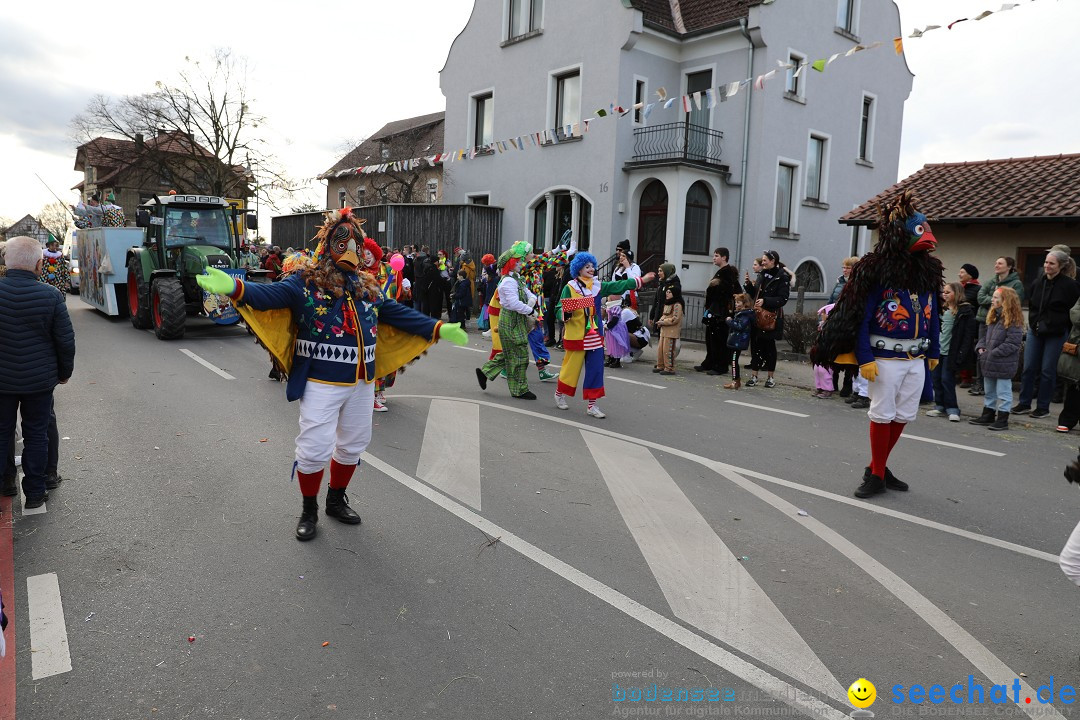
point(184, 234)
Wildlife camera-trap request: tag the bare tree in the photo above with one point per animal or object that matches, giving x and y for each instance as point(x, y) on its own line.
point(197, 135)
point(56, 218)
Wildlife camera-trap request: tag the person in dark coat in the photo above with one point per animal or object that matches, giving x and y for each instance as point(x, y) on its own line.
point(1049, 300)
point(771, 293)
point(969, 279)
point(718, 307)
point(38, 355)
point(667, 277)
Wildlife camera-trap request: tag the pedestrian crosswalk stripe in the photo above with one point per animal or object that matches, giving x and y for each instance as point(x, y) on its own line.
point(762, 679)
point(703, 581)
point(450, 453)
point(49, 653)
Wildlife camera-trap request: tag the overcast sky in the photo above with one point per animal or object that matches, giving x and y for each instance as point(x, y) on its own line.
point(1001, 87)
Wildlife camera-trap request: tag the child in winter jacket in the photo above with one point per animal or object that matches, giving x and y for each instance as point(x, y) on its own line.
point(823, 376)
point(462, 299)
point(738, 339)
point(670, 330)
point(999, 357)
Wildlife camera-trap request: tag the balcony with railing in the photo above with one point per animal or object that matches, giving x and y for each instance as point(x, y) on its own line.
point(677, 143)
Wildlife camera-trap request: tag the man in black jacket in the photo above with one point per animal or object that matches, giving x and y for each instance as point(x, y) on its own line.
point(719, 300)
point(39, 354)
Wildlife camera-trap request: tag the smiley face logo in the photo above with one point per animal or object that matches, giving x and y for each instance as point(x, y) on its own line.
point(862, 693)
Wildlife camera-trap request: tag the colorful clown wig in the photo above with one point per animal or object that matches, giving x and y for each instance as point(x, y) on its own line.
point(508, 261)
point(580, 260)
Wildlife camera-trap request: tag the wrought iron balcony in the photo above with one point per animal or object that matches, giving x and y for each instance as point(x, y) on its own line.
point(679, 142)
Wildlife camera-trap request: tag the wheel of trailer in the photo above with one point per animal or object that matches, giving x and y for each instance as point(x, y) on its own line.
point(168, 308)
point(137, 293)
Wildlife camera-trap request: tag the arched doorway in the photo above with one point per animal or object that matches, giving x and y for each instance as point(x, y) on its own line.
point(652, 226)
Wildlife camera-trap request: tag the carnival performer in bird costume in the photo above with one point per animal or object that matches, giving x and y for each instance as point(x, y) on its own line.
point(583, 337)
point(886, 322)
point(333, 332)
point(517, 312)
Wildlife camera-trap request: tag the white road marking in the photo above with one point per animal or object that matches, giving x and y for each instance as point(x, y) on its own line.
point(715, 654)
point(953, 445)
point(703, 581)
point(994, 669)
point(49, 653)
point(207, 365)
point(764, 407)
point(869, 507)
point(635, 382)
point(35, 511)
point(450, 453)
point(472, 349)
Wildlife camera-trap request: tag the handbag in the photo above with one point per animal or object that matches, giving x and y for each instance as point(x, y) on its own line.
point(764, 320)
point(1069, 348)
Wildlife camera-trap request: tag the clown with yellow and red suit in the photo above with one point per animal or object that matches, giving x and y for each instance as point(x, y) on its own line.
point(333, 331)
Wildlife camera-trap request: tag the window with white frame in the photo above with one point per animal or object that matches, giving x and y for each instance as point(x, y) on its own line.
point(342, 197)
point(847, 15)
point(809, 277)
point(866, 129)
point(639, 99)
point(360, 193)
point(483, 120)
point(794, 82)
point(698, 224)
point(785, 192)
point(567, 98)
point(817, 157)
point(524, 17)
point(433, 190)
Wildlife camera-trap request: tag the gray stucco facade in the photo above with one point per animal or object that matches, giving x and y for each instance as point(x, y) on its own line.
point(603, 178)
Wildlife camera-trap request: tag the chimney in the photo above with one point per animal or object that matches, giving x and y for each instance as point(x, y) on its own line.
point(138, 141)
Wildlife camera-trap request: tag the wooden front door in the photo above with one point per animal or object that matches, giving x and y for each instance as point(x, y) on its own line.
point(652, 227)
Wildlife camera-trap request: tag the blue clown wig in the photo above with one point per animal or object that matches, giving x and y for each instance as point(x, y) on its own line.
point(580, 260)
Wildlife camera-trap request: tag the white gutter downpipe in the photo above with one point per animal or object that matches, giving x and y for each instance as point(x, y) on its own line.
point(746, 144)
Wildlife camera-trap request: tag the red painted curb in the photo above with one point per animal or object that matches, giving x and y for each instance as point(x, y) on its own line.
point(7, 586)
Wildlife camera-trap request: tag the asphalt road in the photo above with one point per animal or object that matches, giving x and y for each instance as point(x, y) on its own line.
point(520, 561)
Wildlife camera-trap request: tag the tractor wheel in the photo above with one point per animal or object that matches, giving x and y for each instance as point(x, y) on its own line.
point(168, 308)
point(137, 293)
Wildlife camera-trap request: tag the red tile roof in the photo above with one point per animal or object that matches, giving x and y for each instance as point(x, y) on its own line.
point(697, 15)
point(1015, 189)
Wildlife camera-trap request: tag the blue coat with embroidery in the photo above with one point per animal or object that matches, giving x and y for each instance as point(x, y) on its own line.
point(893, 313)
point(336, 339)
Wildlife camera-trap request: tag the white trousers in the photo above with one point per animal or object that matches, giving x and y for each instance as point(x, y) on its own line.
point(335, 421)
point(1069, 560)
point(895, 394)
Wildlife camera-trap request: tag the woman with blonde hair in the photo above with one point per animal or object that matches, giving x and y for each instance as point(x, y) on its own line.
point(999, 357)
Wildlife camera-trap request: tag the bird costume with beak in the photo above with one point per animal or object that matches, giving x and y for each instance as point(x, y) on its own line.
point(886, 322)
point(333, 332)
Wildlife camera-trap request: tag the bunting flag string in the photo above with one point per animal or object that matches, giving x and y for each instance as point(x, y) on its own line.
point(707, 98)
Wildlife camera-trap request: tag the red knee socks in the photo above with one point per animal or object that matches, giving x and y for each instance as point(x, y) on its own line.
point(310, 483)
point(340, 475)
point(883, 439)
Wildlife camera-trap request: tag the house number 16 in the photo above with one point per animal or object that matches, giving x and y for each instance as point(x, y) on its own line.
point(603, 187)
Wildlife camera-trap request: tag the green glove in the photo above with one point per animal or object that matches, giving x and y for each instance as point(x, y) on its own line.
point(216, 281)
point(453, 333)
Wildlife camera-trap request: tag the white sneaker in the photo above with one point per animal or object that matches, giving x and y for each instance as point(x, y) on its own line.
point(596, 412)
point(560, 402)
point(935, 413)
point(486, 333)
point(954, 418)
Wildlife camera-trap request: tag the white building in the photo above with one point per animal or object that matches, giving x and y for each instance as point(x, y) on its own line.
point(770, 168)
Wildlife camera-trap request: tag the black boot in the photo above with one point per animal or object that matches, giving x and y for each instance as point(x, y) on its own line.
point(1002, 422)
point(871, 485)
point(481, 378)
point(53, 480)
point(9, 486)
point(894, 483)
point(986, 418)
point(337, 506)
point(305, 529)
